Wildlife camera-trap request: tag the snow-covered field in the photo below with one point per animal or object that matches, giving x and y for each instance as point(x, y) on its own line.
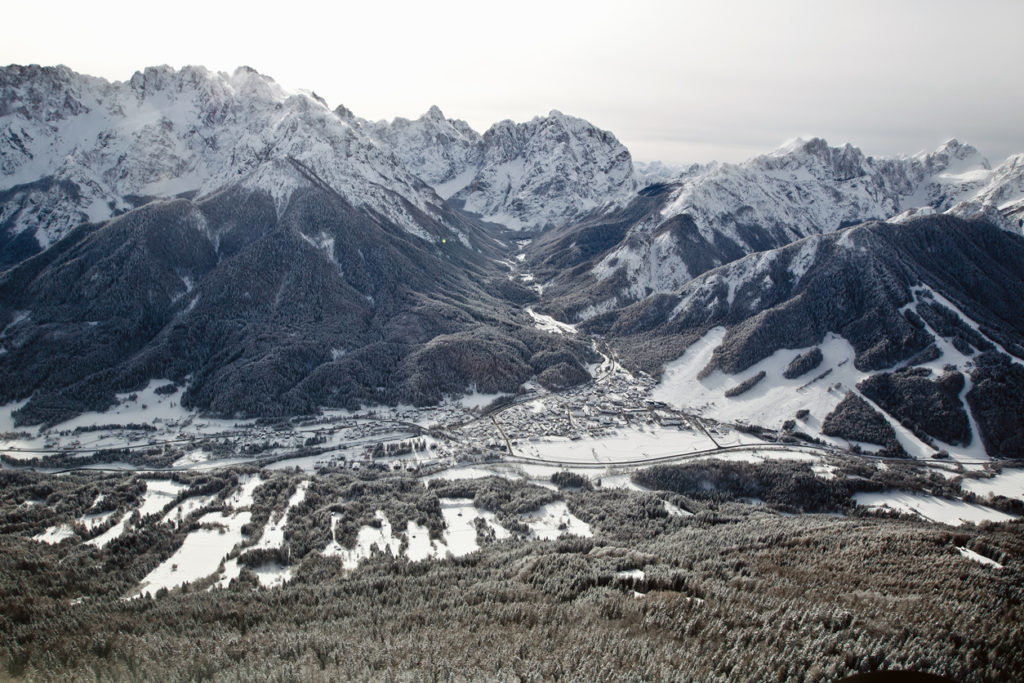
point(772, 400)
point(110, 534)
point(204, 550)
point(273, 531)
point(554, 519)
point(369, 537)
point(201, 553)
point(980, 559)
point(55, 534)
point(159, 492)
point(942, 510)
point(96, 519)
point(467, 472)
point(1009, 483)
point(460, 536)
point(420, 546)
point(273, 537)
point(186, 507)
point(549, 324)
point(776, 399)
point(622, 446)
point(460, 518)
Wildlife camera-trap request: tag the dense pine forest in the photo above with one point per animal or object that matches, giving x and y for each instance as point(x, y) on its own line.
point(674, 584)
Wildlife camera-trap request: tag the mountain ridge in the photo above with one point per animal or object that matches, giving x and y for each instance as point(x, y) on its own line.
point(675, 230)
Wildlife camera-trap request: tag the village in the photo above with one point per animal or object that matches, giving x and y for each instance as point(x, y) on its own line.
point(611, 419)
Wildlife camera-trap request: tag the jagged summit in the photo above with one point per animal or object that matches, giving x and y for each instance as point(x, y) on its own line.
point(543, 172)
point(78, 148)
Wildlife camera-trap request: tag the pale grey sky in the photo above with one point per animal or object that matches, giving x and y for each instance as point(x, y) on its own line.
point(675, 81)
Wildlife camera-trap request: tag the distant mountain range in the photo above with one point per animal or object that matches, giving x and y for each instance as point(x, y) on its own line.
point(275, 257)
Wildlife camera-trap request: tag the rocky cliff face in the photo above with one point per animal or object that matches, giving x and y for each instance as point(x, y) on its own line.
point(523, 176)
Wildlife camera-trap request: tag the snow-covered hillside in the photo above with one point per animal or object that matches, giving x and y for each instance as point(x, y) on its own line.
point(76, 148)
point(922, 319)
point(721, 211)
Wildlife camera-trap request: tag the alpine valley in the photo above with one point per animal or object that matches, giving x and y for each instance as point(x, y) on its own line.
point(322, 353)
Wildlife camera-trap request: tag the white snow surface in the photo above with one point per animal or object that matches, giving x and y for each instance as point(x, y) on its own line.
point(549, 324)
point(186, 507)
point(942, 510)
point(980, 559)
point(553, 520)
point(55, 534)
point(475, 399)
point(776, 399)
point(459, 517)
point(624, 445)
point(638, 574)
point(420, 546)
point(1009, 483)
point(96, 519)
point(460, 536)
point(273, 531)
point(370, 539)
point(200, 555)
point(159, 492)
point(675, 510)
point(110, 534)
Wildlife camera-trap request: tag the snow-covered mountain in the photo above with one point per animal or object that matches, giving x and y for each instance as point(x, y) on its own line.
point(714, 214)
point(250, 243)
point(438, 150)
point(536, 174)
point(274, 256)
point(922, 322)
point(76, 148)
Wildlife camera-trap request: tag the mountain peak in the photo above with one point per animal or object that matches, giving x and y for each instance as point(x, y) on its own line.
point(957, 150)
point(434, 114)
point(151, 78)
point(344, 112)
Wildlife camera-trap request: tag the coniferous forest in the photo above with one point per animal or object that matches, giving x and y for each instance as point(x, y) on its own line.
point(674, 584)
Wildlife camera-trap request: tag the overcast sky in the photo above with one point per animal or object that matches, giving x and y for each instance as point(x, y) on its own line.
point(676, 81)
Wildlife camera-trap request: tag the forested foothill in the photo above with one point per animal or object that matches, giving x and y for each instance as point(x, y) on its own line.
point(858, 286)
point(708, 574)
point(325, 305)
point(855, 420)
point(929, 406)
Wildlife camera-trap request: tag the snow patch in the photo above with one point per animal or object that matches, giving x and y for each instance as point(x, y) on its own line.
point(942, 510)
point(200, 555)
point(980, 559)
point(1008, 483)
point(549, 324)
point(55, 534)
point(553, 520)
